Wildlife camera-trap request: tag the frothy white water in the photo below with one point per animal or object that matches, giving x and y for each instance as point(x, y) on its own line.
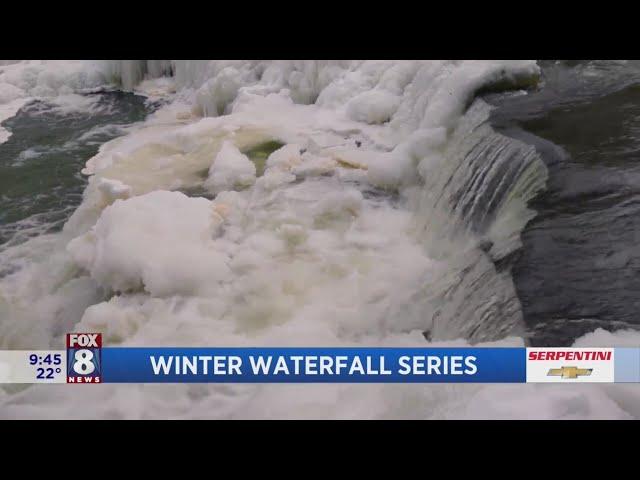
point(63, 84)
point(378, 220)
point(59, 81)
point(8, 110)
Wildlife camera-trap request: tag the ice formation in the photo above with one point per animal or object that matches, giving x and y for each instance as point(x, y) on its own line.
point(364, 230)
point(230, 169)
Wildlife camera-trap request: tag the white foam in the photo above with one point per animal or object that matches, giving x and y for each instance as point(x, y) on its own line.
point(160, 241)
point(55, 80)
point(49, 78)
point(72, 103)
point(8, 110)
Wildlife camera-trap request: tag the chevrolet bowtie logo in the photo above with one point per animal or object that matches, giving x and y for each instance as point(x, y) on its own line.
point(569, 372)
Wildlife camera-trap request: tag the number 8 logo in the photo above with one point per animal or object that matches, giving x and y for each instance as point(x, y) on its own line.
point(84, 362)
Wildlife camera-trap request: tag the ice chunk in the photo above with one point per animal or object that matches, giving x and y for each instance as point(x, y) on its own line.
point(231, 169)
point(113, 189)
point(374, 106)
point(273, 179)
point(390, 170)
point(314, 165)
point(218, 92)
point(603, 338)
point(347, 203)
point(349, 158)
point(9, 93)
point(161, 241)
point(285, 157)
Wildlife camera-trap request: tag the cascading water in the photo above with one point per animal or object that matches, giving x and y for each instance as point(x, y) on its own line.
point(471, 209)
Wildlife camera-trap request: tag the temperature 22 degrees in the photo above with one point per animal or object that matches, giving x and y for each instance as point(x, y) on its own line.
point(46, 373)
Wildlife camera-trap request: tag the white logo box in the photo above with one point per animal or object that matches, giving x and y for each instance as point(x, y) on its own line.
point(591, 368)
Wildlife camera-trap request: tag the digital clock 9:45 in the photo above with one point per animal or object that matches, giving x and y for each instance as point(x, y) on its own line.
point(46, 373)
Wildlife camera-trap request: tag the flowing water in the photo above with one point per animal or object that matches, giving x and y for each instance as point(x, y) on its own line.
point(578, 268)
point(40, 179)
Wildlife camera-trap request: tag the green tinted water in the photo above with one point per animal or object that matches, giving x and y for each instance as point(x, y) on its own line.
point(259, 154)
point(40, 180)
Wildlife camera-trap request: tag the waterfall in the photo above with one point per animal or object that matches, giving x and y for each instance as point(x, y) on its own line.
point(470, 212)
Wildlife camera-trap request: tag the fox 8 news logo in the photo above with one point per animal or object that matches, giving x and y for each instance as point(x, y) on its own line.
point(84, 362)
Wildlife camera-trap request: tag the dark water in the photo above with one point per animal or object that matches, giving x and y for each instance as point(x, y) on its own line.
point(579, 267)
point(40, 180)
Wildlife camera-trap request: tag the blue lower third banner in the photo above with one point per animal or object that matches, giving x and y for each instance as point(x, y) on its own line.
point(86, 361)
point(313, 365)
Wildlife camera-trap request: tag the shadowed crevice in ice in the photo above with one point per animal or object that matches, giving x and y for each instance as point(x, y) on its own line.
point(258, 154)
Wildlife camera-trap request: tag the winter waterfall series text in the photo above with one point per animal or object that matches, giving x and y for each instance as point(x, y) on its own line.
point(86, 361)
